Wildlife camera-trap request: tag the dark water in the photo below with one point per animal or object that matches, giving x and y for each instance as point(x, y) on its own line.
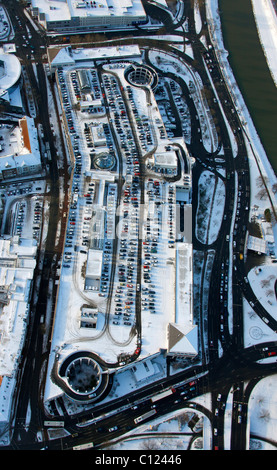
point(250, 68)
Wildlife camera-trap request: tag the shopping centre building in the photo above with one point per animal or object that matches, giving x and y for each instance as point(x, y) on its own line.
point(72, 16)
point(125, 297)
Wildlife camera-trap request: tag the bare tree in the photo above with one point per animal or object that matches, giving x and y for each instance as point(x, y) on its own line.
point(274, 187)
point(262, 193)
point(149, 444)
point(265, 415)
point(261, 180)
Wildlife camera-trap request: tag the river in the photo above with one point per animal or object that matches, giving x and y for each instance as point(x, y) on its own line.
point(250, 68)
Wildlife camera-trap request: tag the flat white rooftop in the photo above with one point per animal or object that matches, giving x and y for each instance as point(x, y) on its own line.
point(63, 56)
point(94, 264)
point(19, 145)
point(67, 9)
point(10, 71)
point(17, 263)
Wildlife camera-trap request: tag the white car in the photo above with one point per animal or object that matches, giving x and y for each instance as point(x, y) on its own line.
point(114, 428)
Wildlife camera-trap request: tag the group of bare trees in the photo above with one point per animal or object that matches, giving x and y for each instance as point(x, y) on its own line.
point(266, 283)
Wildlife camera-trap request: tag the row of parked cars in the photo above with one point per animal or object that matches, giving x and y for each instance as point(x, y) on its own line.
point(37, 218)
point(126, 288)
point(108, 240)
point(68, 111)
point(124, 293)
point(20, 218)
point(153, 228)
point(75, 84)
point(73, 213)
point(143, 125)
point(73, 222)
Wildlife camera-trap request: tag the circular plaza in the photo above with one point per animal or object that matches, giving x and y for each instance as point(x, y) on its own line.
point(82, 377)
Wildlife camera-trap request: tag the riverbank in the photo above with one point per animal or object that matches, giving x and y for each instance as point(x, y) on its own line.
point(214, 23)
point(258, 160)
point(266, 22)
point(248, 63)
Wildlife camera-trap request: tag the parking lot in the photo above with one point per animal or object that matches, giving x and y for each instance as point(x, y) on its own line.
point(23, 214)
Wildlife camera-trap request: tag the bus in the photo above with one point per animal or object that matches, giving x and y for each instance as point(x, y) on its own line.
point(161, 395)
point(145, 416)
point(89, 445)
point(54, 424)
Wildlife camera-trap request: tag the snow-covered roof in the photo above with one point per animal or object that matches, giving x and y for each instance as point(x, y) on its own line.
point(182, 334)
point(17, 263)
point(10, 70)
point(166, 160)
point(256, 244)
point(53, 9)
point(21, 146)
point(67, 9)
point(105, 8)
point(94, 264)
point(182, 339)
point(68, 56)
point(8, 48)
point(61, 56)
